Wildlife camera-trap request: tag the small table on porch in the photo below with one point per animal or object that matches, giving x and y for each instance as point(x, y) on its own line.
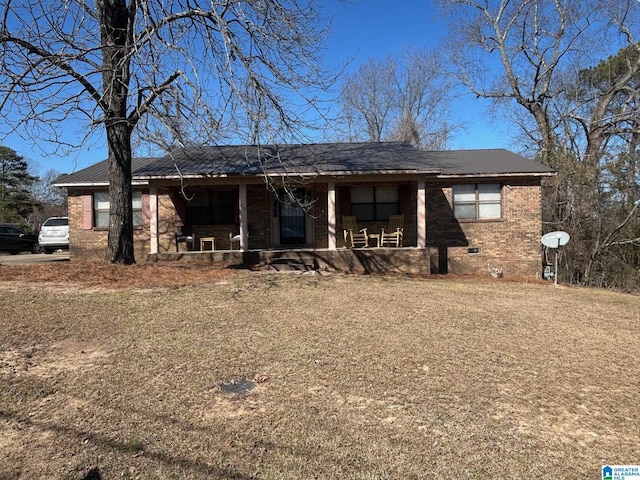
point(376, 237)
point(204, 240)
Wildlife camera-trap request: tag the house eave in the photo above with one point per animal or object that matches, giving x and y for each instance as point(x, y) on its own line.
point(337, 173)
point(147, 179)
point(192, 176)
point(495, 175)
point(136, 183)
point(351, 173)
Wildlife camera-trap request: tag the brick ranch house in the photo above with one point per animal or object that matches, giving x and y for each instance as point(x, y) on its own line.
point(464, 211)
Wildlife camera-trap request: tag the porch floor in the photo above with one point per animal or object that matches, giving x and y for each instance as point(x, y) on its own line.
point(347, 260)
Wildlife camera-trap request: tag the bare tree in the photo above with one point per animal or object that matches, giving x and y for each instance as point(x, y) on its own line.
point(50, 201)
point(399, 100)
point(510, 51)
point(45, 193)
point(367, 98)
point(424, 95)
point(607, 114)
point(530, 54)
point(120, 65)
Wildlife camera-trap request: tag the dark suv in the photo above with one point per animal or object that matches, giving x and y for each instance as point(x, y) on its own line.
point(14, 240)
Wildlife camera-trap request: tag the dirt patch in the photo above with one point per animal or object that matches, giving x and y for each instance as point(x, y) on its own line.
point(52, 360)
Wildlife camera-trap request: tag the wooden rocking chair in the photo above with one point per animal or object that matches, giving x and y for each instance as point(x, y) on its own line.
point(393, 234)
point(354, 237)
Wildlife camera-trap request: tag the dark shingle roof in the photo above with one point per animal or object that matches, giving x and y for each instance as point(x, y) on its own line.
point(328, 159)
point(98, 173)
point(292, 159)
point(484, 162)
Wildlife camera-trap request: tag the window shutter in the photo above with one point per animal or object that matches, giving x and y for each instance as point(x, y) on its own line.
point(146, 210)
point(87, 212)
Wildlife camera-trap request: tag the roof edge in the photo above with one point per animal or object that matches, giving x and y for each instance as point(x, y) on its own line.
point(137, 183)
point(493, 175)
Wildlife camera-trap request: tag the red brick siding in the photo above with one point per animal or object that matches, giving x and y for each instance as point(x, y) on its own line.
point(512, 243)
point(92, 243)
point(170, 219)
point(318, 212)
point(259, 212)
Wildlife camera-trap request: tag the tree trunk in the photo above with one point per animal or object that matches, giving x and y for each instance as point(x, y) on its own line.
point(630, 180)
point(549, 143)
point(115, 33)
point(120, 247)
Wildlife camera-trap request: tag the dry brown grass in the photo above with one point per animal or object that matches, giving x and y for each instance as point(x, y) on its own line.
point(357, 377)
point(101, 275)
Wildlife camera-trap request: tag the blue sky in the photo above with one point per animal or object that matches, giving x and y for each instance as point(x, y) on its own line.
point(365, 29)
point(362, 30)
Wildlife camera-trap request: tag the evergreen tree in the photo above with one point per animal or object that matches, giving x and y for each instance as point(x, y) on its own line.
point(16, 201)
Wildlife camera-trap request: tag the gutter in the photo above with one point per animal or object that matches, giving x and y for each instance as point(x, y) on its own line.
point(137, 183)
point(497, 175)
point(144, 180)
point(341, 173)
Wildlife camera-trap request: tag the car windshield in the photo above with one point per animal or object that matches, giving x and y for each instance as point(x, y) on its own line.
point(57, 222)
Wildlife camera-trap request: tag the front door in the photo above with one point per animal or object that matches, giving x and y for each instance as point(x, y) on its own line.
point(292, 218)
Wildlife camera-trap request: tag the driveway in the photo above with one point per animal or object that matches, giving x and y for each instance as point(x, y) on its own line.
point(26, 258)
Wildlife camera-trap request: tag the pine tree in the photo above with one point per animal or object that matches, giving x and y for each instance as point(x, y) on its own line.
point(16, 201)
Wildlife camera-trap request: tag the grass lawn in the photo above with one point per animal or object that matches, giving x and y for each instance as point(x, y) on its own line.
point(116, 372)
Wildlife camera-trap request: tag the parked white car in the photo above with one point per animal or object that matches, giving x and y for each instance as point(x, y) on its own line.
point(54, 234)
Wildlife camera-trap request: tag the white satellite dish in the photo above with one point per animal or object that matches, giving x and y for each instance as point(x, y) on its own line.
point(555, 240)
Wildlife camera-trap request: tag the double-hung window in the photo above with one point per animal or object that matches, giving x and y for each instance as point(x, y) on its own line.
point(101, 209)
point(481, 201)
point(374, 203)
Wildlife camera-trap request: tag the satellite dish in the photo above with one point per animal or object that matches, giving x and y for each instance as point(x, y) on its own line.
point(555, 239)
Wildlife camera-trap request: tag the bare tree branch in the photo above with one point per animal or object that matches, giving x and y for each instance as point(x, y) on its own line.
point(189, 68)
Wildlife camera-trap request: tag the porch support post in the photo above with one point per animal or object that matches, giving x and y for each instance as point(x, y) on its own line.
point(153, 220)
point(331, 215)
point(244, 228)
point(422, 215)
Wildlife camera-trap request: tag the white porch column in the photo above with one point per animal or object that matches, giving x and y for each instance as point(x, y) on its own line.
point(153, 220)
point(244, 227)
point(422, 215)
point(331, 215)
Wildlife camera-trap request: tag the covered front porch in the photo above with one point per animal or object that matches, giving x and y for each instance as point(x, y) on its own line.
point(407, 260)
point(259, 219)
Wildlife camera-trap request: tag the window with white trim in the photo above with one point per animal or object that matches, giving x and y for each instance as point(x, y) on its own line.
point(101, 209)
point(479, 201)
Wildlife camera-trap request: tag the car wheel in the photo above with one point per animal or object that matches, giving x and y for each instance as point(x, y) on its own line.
point(48, 251)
